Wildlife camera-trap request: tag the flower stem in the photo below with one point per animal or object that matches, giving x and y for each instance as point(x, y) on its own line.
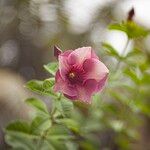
point(44, 135)
point(122, 54)
point(59, 98)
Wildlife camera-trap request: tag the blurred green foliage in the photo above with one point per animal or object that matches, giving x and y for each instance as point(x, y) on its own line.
point(131, 29)
point(111, 122)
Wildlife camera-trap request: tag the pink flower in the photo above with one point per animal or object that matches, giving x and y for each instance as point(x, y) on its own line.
point(80, 74)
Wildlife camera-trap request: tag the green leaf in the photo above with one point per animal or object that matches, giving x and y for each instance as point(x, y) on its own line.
point(59, 132)
point(111, 50)
point(35, 85)
point(135, 31)
point(20, 126)
point(57, 144)
point(117, 26)
point(20, 141)
point(51, 68)
point(42, 87)
point(67, 106)
point(40, 124)
point(48, 83)
point(133, 53)
point(18, 136)
point(70, 124)
point(37, 104)
point(64, 106)
point(45, 145)
point(132, 73)
point(131, 29)
point(58, 135)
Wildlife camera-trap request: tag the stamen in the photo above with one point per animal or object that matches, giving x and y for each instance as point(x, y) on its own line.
point(71, 75)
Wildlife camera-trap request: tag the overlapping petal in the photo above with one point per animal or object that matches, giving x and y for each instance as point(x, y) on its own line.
point(63, 86)
point(63, 63)
point(102, 83)
point(95, 69)
point(79, 55)
point(86, 91)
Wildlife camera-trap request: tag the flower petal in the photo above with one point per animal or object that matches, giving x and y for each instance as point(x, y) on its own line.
point(63, 66)
point(91, 85)
point(71, 97)
point(66, 53)
point(63, 63)
point(93, 54)
point(86, 91)
point(94, 69)
point(63, 86)
point(102, 83)
point(72, 58)
point(79, 55)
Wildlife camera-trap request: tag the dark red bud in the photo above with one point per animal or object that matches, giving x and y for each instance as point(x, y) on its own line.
point(57, 51)
point(131, 14)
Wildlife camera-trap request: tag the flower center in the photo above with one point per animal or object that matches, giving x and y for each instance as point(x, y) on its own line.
point(72, 75)
point(75, 76)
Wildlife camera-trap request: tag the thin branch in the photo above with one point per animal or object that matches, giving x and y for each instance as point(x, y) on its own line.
point(122, 54)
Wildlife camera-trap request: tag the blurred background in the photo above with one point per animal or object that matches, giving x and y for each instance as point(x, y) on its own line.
point(30, 28)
